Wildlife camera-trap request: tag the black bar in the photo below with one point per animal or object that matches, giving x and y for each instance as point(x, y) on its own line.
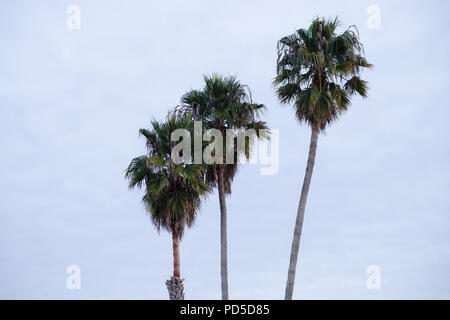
point(233, 309)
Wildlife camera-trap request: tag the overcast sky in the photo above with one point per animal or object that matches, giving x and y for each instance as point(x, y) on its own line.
point(72, 102)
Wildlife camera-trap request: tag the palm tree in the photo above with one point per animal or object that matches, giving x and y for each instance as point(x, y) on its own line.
point(224, 103)
point(318, 71)
point(173, 192)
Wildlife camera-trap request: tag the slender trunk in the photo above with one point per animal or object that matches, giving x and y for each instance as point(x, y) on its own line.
point(176, 256)
point(223, 234)
point(175, 284)
point(301, 213)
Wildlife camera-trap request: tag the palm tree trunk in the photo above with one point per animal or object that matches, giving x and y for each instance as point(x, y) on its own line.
point(175, 284)
point(176, 255)
point(301, 213)
point(223, 234)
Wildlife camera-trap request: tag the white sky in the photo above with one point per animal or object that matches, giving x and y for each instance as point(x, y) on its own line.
point(71, 104)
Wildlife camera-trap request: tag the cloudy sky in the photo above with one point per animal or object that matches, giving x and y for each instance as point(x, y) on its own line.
point(71, 104)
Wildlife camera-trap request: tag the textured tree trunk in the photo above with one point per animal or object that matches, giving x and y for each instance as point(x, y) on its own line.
point(223, 234)
point(175, 284)
point(301, 213)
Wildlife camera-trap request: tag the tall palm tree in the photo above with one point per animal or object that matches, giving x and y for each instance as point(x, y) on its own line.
point(318, 71)
point(173, 192)
point(224, 103)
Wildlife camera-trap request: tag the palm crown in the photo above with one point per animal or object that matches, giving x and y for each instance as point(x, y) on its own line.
point(318, 70)
point(224, 103)
point(172, 191)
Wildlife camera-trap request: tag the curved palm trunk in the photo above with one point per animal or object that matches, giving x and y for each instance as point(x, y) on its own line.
point(175, 284)
point(223, 234)
point(301, 213)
